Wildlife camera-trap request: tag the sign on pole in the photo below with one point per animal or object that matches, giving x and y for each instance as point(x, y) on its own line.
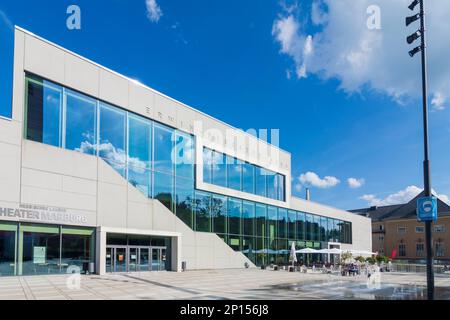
point(427, 209)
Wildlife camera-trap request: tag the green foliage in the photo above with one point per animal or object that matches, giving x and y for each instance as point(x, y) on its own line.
point(360, 259)
point(371, 260)
point(345, 257)
point(381, 259)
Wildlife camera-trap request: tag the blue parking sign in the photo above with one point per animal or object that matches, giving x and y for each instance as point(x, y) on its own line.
point(427, 209)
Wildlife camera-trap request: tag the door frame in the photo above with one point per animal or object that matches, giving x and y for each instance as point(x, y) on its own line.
point(138, 257)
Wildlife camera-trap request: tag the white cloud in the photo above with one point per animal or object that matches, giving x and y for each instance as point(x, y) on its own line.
point(311, 178)
point(287, 32)
point(438, 101)
point(355, 183)
point(344, 48)
point(298, 187)
point(400, 197)
point(154, 12)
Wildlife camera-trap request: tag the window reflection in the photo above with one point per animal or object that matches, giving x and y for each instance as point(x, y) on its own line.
point(271, 185)
point(234, 215)
point(234, 167)
point(207, 165)
point(140, 178)
point(219, 169)
point(248, 216)
point(292, 219)
point(184, 198)
point(261, 188)
point(111, 147)
point(202, 211)
point(139, 142)
point(301, 224)
point(219, 213)
point(163, 149)
point(80, 123)
point(261, 212)
point(272, 216)
point(44, 111)
point(163, 189)
point(282, 219)
point(184, 156)
point(248, 176)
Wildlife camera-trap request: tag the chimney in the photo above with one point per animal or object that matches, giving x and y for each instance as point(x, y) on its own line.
point(308, 194)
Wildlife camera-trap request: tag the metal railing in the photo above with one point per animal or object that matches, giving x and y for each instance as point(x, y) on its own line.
point(418, 268)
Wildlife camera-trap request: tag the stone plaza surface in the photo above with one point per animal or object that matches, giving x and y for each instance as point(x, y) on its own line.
point(233, 284)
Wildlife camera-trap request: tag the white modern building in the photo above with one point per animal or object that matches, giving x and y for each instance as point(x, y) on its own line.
point(99, 170)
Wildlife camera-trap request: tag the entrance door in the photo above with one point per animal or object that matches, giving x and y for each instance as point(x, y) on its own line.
point(144, 259)
point(120, 259)
point(109, 259)
point(158, 259)
point(133, 259)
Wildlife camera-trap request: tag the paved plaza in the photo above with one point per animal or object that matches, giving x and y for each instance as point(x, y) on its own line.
point(219, 284)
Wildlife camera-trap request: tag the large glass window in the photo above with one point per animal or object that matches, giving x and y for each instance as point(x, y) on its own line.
point(139, 153)
point(248, 178)
point(249, 248)
point(234, 169)
point(41, 250)
point(80, 124)
point(219, 214)
point(185, 155)
point(323, 229)
point(140, 178)
point(309, 227)
point(337, 235)
point(316, 228)
point(184, 197)
point(248, 216)
point(7, 249)
point(44, 104)
point(139, 142)
point(77, 246)
point(261, 188)
point(261, 213)
point(261, 249)
point(292, 219)
point(202, 211)
point(219, 169)
point(272, 216)
point(163, 151)
point(207, 165)
point(272, 187)
point(330, 233)
point(163, 188)
point(282, 223)
point(111, 145)
point(301, 225)
point(280, 187)
point(234, 215)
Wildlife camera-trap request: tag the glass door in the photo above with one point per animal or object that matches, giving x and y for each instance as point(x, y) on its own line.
point(133, 259)
point(159, 259)
point(144, 259)
point(156, 258)
point(7, 250)
point(109, 259)
point(120, 259)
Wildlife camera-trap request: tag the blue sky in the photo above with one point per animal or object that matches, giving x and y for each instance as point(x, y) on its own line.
point(351, 98)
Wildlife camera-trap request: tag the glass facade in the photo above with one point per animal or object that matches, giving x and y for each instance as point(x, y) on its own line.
point(226, 171)
point(30, 249)
point(159, 161)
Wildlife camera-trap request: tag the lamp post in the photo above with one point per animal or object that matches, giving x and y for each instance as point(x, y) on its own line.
point(426, 164)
